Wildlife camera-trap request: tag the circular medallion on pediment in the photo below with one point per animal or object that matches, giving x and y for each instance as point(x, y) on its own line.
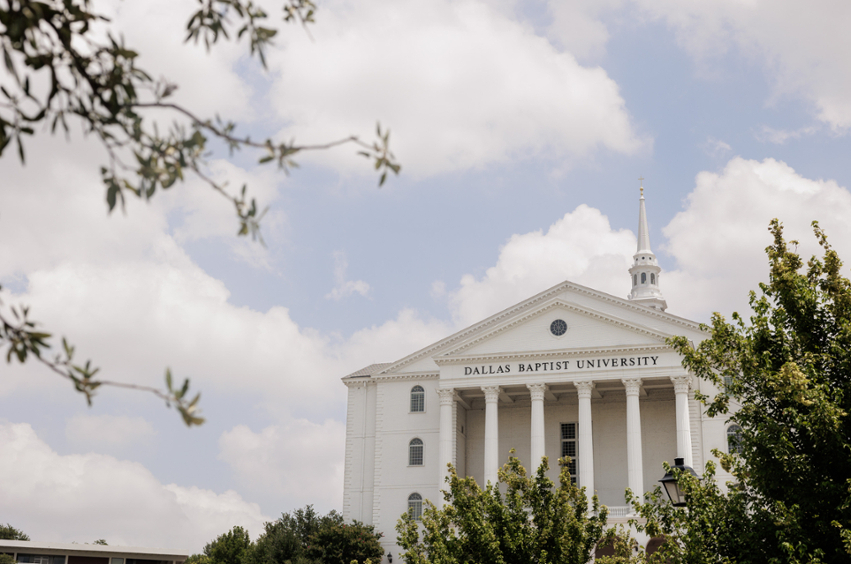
point(558, 327)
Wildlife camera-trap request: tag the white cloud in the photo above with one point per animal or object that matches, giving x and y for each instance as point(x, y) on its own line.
point(299, 461)
point(799, 43)
point(780, 136)
point(581, 247)
point(345, 288)
point(716, 148)
point(719, 238)
point(106, 433)
point(393, 339)
point(461, 85)
point(82, 497)
point(578, 26)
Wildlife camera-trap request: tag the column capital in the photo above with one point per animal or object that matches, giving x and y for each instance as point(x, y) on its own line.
point(491, 393)
point(447, 395)
point(682, 384)
point(632, 385)
point(537, 391)
point(584, 388)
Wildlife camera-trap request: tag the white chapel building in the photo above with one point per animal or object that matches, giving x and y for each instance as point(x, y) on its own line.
point(570, 371)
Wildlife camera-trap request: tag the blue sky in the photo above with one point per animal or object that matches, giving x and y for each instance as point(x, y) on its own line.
point(522, 128)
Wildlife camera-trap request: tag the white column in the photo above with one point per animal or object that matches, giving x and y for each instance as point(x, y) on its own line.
point(444, 454)
point(682, 385)
point(586, 444)
point(634, 459)
point(537, 443)
point(491, 433)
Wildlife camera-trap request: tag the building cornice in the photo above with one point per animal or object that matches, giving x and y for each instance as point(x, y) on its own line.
point(552, 353)
point(358, 382)
point(409, 376)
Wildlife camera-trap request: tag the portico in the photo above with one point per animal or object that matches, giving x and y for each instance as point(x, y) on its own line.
point(547, 406)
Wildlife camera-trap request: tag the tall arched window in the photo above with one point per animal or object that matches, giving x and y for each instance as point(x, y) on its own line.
point(417, 399)
point(734, 439)
point(652, 278)
point(644, 278)
point(635, 279)
point(415, 506)
point(415, 452)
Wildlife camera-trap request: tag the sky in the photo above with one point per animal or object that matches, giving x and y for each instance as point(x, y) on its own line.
point(522, 129)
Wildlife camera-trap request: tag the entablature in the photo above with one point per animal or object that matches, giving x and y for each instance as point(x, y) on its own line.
point(408, 376)
point(554, 353)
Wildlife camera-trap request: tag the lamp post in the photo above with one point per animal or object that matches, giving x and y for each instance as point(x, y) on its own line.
point(675, 493)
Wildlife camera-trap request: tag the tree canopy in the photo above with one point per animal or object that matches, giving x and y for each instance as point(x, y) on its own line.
point(300, 537)
point(534, 522)
point(8, 532)
point(784, 378)
point(229, 548)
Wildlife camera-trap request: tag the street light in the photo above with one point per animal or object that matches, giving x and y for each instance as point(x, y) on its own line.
point(675, 493)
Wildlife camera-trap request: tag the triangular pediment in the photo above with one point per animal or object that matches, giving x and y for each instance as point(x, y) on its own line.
point(595, 320)
point(533, 331)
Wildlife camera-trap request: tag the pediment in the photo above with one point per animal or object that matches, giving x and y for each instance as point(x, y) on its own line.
point(595, 319)
point(531, 332)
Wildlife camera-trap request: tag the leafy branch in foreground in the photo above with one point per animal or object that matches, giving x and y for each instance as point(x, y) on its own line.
point(57, 45)
point(24, 340)
point(64, 65)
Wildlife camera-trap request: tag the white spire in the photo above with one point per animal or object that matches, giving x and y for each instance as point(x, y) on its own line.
point(643, 233)
point(645, 270)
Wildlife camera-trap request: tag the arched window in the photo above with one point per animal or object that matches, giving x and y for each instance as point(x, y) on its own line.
point(415, 452)
point(415, 506)
point(652, 278)
point(734, 439)
point(644, 278)
point(417, 399)
point(635, 279)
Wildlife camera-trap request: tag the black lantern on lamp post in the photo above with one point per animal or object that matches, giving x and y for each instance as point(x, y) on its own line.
point(675, 493)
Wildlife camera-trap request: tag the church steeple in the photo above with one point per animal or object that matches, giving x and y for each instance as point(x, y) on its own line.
point(644, 272)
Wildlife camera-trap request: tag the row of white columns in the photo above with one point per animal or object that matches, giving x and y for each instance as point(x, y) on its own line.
point(585, 453)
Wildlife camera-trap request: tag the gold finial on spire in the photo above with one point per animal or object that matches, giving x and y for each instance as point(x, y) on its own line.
point(641, 179)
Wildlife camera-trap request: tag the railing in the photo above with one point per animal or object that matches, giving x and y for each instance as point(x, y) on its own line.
point(620, 511)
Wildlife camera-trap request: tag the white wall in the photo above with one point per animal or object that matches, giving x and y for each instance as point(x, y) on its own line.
point(396, 426)
point(360, 452)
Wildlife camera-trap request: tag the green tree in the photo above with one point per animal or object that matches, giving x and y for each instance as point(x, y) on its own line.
point(229, 548)
point(785, 379)
point(8, 532)
point(6, 558)
point(101, 542)
point(533, 522)
point(713, 528)
point(285, 539)
point(341, 543)
point(198, 559)
point(63, 70)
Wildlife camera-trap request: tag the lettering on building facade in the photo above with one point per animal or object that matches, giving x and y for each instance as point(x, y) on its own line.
point(560, 365)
